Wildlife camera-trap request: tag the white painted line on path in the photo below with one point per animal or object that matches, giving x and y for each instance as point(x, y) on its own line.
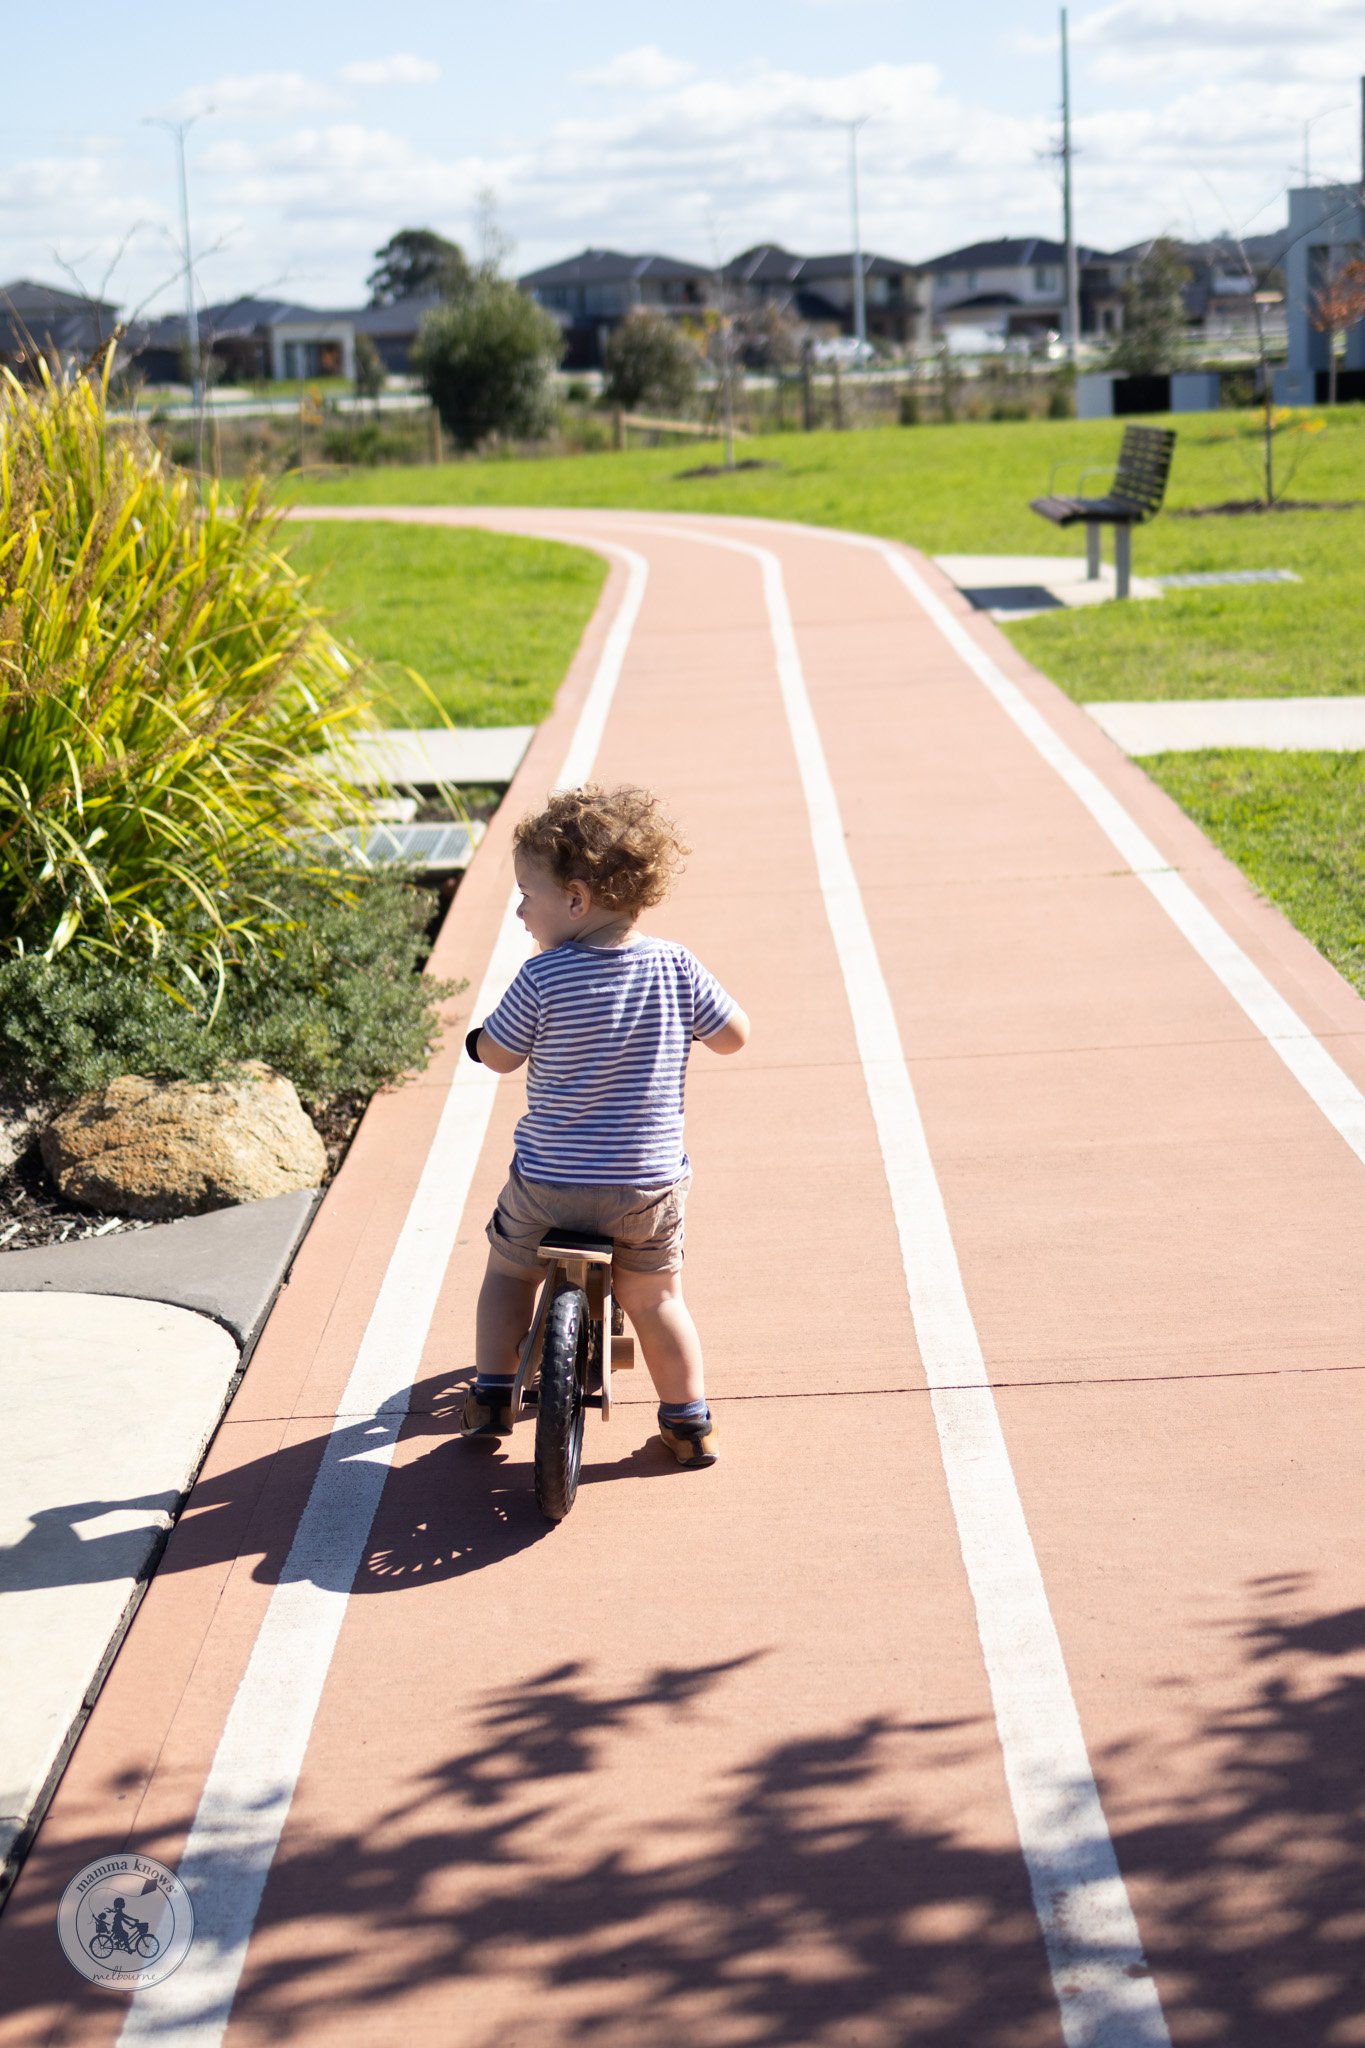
point(1105, 1992)
point(245, 1802)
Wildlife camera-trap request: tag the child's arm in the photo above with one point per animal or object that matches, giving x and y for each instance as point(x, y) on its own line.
point(487, 1051)
point(733, 1033)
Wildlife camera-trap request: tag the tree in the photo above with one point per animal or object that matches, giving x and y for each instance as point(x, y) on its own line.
point(1153, 312)
point(650, 361)
point(485, 360)
point(1337, 304)
point(416, 261)
point(369, 368)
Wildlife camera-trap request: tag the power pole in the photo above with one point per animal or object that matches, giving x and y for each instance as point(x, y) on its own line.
point(1073, 295)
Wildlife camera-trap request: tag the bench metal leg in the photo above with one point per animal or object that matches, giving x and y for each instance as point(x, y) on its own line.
point(1123, 559)
point(1092, 548)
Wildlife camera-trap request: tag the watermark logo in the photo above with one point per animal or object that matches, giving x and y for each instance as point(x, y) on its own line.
point(125, 1921)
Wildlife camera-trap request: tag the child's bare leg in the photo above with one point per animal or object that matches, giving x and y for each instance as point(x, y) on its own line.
point(507, 1302)
point(668, 1336)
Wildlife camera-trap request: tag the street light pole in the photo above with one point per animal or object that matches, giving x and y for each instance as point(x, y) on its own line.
point(1073, 297)
point(859, 281)
point(177, 129)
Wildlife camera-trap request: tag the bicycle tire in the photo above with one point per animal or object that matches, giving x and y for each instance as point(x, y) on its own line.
point(559, 1407)
point(148, 1946)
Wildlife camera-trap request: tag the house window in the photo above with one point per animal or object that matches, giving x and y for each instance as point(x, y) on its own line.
point(1044, 277)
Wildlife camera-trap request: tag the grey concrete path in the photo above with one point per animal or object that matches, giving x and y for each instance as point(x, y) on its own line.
point(1287, 724)
point(431, 754)
point(1018, 586)
point(109, 1406)
point(117, 1359)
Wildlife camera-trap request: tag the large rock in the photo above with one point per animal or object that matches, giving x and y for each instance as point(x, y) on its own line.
point(159, 1149)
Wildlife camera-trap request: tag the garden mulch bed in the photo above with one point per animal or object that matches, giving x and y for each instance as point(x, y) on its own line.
point(1231, 507)
point(719, 468)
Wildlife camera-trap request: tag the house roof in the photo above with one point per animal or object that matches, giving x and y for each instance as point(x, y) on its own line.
point(400, 316)
point(235, 317)
point(982, 302)
point(24, 297)
point(1011, 253)
point(611, 266)
point(770, 263)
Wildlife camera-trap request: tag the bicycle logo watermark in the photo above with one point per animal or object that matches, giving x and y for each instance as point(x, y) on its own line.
point(125, 1921)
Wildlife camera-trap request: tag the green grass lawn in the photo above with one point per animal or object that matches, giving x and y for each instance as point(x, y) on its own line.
point(965, 489)
point(1295, 823)
point(489, 621)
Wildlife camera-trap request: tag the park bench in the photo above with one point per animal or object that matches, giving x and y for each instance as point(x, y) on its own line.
point(1135, 494)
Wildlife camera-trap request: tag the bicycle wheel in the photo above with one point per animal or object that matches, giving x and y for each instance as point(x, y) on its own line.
point(101, 1945)
point(559, 1407)
point(147, 1946)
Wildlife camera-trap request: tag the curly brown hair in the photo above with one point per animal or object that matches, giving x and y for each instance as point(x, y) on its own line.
point(620, 842)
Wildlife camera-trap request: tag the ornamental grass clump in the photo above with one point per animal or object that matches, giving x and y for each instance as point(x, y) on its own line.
point(166, 689)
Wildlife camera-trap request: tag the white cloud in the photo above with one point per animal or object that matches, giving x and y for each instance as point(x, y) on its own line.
point(700, 167)
point(646, 69)
point(259, 96)
point(403, 69)
point(1174, 25)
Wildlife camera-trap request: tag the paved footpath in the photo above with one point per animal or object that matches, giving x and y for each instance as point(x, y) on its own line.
point(1003, 1684)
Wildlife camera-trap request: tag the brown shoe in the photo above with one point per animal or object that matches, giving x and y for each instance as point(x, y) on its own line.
point(691, 1443)
point(485, 1418)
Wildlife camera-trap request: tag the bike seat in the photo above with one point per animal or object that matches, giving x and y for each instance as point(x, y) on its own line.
point(577, 1244)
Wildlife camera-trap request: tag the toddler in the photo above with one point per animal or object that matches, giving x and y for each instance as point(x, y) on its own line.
point(606, 1017)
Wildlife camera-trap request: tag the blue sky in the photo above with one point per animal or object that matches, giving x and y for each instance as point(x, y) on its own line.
point(696, 131)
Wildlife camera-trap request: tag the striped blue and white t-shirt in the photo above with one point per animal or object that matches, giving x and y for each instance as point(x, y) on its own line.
point(607, 1031)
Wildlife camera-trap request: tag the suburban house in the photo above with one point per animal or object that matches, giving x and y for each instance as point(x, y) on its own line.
point(1016, 287)
point(393, 329)
point(40, 320)
point(252, 340)
point(1219, 295)
point(818, 290)
point(591, 293)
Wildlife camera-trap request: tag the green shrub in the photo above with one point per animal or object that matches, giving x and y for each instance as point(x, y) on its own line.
point(166, 688)
point(908, 408)
point(364, 443)
point(650, 361)
point(485, 362)
point(332, 1000)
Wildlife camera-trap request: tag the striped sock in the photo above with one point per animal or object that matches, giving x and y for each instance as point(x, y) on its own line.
point(494, 1382)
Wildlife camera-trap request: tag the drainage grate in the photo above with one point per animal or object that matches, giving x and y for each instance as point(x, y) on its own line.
point(1210, 579)
point(435, 849)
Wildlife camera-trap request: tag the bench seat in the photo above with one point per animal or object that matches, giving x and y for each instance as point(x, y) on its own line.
point(1112, 511)
point(1136, 490)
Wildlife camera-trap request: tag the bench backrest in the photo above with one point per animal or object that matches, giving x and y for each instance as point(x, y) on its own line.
point(1144, 465)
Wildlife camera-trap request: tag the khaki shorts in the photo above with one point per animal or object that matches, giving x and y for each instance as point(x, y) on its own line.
point(644, 1224)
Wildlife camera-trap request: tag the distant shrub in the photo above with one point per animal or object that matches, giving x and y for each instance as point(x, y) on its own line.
point(908, 410)
point(650, 361)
